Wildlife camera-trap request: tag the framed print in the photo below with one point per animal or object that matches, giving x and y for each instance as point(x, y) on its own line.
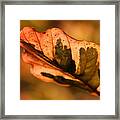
point(60, 60)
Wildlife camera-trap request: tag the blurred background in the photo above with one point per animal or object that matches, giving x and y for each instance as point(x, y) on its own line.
point(32, 88)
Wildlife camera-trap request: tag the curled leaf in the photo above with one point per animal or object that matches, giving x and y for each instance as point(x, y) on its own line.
point(56, 57)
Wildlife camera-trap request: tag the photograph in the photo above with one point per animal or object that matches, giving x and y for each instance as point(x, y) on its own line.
point(59, 59)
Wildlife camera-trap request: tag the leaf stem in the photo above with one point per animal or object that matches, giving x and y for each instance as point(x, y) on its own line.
point(60, 79)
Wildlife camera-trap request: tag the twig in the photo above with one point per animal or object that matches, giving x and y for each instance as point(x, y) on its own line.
point(60, 79)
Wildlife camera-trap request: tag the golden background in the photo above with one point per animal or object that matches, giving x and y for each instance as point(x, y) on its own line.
point(32, 88)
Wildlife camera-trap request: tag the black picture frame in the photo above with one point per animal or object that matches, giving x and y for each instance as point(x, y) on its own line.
point(117, 56)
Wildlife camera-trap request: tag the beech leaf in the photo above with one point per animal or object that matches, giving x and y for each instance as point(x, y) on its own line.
point(57, 57)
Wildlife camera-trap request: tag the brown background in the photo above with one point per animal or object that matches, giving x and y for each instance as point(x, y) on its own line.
point(32, 88)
